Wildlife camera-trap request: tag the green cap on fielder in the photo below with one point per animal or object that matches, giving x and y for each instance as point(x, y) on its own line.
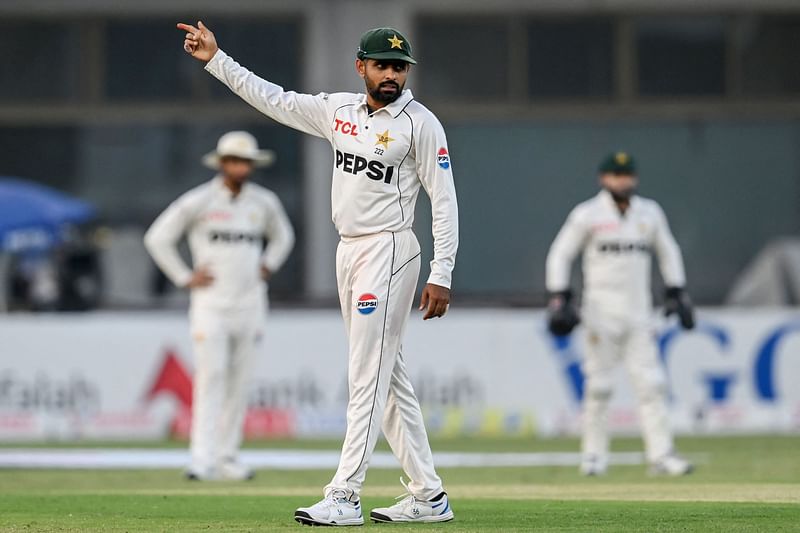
point(385, 43)
point(618, 163)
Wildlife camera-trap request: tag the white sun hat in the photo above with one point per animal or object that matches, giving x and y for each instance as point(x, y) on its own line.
point(238, 144)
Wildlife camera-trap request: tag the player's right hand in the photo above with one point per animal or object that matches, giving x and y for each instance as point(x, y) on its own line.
point(199, 42)
point(201, 277)
point(562, 315)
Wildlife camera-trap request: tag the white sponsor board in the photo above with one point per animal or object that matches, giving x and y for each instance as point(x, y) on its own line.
point(128, 375)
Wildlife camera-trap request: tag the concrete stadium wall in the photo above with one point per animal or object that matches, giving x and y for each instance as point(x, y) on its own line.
point(727, 187)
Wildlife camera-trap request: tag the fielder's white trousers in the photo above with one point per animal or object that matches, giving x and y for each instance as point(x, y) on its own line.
point(385, 266)
point(609, 341)
point(225, 345)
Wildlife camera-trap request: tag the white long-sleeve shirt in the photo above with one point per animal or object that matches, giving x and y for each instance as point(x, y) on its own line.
point(225, 235)
point(617, 253)
point(380, 160)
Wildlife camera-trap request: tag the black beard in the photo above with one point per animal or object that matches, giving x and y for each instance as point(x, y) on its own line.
point(378, 96)
point(623, 196)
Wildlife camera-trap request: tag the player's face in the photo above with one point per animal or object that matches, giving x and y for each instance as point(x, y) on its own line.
point(236, 168)
point(384, 78)
point(621, 186)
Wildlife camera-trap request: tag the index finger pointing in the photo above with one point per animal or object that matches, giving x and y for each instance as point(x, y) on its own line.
point(187, 27)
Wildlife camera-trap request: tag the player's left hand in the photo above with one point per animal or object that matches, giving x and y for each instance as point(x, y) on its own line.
point(266, 274)
point(435, 299)
point(676, 300)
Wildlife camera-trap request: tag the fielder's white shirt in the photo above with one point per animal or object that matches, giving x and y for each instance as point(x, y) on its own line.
point(380, 159)
point(225, 236)
point(617, 253)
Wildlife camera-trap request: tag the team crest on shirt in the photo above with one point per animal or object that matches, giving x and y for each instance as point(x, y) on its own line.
point(443, 158)
point(384, 139)
point(367, 303)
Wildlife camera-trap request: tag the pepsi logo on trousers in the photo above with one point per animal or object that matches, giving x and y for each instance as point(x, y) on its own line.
point(367, 303)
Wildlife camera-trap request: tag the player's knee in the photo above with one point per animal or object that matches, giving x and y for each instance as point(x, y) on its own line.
point(651, 388)
point(599, 388)
point(210, 376)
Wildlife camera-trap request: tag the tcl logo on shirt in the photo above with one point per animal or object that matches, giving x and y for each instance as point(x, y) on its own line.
point(348, 128)
point(354, 164)
point(602, 227)
point(218, 215)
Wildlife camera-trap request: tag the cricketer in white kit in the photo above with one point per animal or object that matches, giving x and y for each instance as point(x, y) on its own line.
point(386, 146)
point(617, 232)
point(226, 221)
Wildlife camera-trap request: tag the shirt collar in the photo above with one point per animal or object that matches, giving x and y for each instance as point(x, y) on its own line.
point(219, 183)
point(396, 107)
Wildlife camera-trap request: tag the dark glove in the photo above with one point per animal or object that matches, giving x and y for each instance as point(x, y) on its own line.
point(676, 300)
point(562, 315)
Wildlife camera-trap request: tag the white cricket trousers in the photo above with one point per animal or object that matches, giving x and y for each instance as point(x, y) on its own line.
point(225, 345)
point(377, 278)
point(609, 341)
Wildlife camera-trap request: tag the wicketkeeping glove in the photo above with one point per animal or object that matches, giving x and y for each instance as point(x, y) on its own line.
point(676, 300)
point(562, 315)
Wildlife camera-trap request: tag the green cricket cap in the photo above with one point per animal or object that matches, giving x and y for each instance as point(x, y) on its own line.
point(385, 43)
point(618, 163)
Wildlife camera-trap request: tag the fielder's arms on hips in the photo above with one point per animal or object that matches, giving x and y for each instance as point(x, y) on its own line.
point(161, 241)
point(280, 238)
point(303, 112)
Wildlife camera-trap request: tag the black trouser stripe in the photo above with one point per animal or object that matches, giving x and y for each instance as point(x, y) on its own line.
point(380, 361)
point(404, 264)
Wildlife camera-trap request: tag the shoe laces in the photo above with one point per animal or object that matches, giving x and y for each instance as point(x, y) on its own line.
point(406, 499)
point(334, 498)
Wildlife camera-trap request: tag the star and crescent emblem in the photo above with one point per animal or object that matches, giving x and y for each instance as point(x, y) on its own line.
point(384, 139)
point(395, 42)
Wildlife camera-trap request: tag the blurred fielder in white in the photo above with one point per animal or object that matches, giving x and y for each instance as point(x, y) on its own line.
point(617, 232)
point(226, 221)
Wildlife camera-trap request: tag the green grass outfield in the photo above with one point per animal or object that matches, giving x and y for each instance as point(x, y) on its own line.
point(742, 484)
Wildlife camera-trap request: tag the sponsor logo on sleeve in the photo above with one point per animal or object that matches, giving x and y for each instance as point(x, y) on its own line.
point(443, 158)
point(367, 303)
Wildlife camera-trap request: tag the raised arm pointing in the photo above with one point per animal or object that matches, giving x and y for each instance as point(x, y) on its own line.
point(199, 42)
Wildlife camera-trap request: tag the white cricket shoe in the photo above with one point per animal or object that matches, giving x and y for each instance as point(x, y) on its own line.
point(234, 471)
point(195, 473)
point(333, 510)
point(410, 509)
point(671, 465)
point(592, 465)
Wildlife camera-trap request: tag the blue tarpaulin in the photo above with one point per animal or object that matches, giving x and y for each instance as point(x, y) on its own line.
point(33, 216)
